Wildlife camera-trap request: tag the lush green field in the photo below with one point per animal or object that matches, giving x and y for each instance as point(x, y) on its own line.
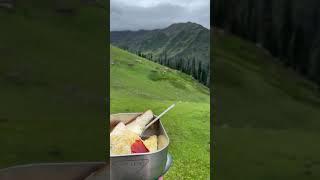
point(52, 84)
point(138, 84)
point(267, 116)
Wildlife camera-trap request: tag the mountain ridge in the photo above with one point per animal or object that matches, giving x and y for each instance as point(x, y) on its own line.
point(175, 46)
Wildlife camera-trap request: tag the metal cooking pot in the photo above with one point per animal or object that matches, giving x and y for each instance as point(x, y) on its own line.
point(144, 166)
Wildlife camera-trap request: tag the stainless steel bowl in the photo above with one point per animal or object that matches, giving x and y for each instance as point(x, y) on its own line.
point(144, 166)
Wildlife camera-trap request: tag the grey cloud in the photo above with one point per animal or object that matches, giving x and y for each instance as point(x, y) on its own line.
point(131, 17)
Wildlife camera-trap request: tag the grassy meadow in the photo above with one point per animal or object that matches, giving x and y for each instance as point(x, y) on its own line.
point(138, 84)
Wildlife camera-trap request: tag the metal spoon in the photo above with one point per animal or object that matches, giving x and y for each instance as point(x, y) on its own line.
point(157, 118)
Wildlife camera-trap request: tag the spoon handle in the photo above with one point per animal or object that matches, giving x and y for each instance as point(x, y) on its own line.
point(156, 119)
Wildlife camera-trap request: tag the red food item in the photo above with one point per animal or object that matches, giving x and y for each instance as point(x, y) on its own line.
point(138, 147)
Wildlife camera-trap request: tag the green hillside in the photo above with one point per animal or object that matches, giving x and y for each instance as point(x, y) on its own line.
point(182, 46)
point(52, 84)
point(267, 116)
point(138, 84)
point(180, 39)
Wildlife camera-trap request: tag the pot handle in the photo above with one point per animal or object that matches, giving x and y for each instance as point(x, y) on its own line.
point(168, 163)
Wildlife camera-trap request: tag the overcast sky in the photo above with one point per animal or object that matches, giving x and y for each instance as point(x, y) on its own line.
point(153, 14)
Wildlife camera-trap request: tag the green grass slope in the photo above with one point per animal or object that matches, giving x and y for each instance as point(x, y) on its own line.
point(51, 84)
point(267, 116)
point(138, 84)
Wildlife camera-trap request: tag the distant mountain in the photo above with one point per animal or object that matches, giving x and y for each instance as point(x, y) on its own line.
point(182, 46)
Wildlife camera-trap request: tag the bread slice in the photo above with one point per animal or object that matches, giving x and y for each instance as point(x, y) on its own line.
point(121, 117)
point(140, 122)
point(119, 129)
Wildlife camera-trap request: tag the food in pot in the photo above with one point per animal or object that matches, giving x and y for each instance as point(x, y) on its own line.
point(125, 118)
point(121, 140)
point(152, 143)
point(140, 122)
point(139, 147)
point(125, 139)
point(162, 141)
